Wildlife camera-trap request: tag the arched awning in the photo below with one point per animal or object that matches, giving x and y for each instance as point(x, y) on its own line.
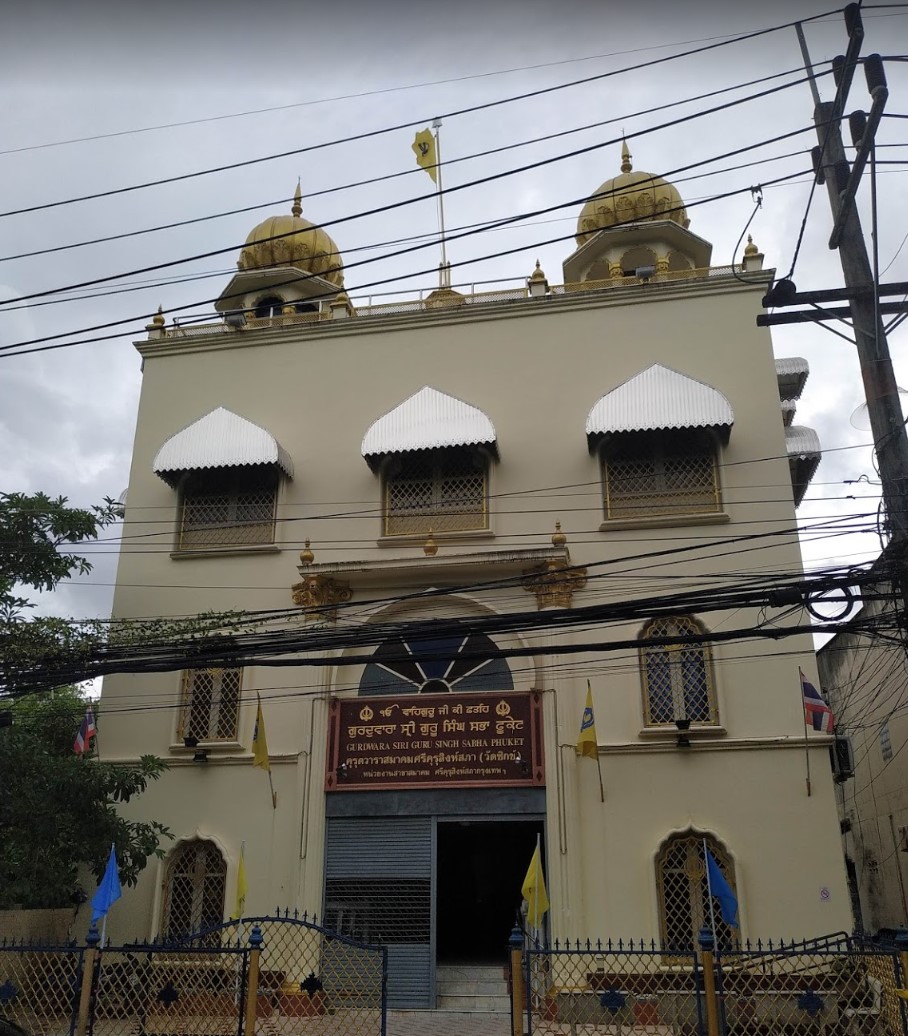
point(658, 399)
point(804, 454)
point(220, 439)
point(429, 419)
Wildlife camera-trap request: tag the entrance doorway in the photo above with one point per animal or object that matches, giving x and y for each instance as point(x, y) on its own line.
point(480, 868)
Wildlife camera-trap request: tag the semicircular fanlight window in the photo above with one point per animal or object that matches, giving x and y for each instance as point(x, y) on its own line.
point(459, 662)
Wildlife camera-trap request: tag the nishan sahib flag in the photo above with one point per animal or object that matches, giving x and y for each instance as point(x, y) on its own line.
point(534, 892)
point(259, 741)
point(586, 742)
point(426, 154)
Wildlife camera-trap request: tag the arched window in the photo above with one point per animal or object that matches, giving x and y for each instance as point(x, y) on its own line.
point(193, 889)
point(444, 490)
point(684, 906)
point(462, 662)
point(677, 678)
point(673, 472)
point(270, 306)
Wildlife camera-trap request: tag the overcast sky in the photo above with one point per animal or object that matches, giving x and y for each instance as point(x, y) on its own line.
point(258, 79)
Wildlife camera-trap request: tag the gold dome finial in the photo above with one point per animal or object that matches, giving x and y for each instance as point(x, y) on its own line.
point(558, 537)
point(430, 547)
point(537, 274)
point(306, 555)
point(297, 207)
point(751, 248)
point(157, 322)
point(626, 166)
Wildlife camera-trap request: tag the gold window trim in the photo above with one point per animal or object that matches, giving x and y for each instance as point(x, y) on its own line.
point(187, 691)
point(674, 652)
point(421, 521)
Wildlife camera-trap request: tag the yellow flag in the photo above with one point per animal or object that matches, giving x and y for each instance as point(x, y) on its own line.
point(533, 890)
point(586, 742)
point(426, 155)
point(242, 886)
point(259, 742)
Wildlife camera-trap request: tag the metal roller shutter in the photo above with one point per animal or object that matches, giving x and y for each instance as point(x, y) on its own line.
point(378, 889)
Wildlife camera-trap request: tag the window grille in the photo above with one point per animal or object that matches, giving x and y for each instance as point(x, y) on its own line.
point(654, 474)
point(228, 507)
point(885, 742)
point(442, 490)
point(684, 906)
point(210, 704)
point(677, 678)
point(194, 890)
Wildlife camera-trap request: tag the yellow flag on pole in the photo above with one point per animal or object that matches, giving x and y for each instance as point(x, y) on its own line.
point(533, 890)
point(259, 742)
point(242, 886)
point(426, 154)
point(586, 742)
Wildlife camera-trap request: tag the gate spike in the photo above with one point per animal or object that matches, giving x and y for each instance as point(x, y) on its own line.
point(620, 945)
point(610, 944)
point(589, 946)
point(296, 914)
point(599, 945)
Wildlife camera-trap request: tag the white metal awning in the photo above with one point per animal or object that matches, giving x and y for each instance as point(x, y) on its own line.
point(220, 439)
point(659, 398)
point(427, 420)
point(804, 453)
point(791, 373)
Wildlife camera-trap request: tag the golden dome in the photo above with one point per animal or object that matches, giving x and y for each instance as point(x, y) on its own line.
point(293, 241)
point(630, 198)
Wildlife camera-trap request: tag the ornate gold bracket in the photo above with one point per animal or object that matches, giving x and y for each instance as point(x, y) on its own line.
point(319, 596)
point(554, 583)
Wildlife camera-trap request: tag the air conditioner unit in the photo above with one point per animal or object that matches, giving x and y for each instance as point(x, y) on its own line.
point(841, 755)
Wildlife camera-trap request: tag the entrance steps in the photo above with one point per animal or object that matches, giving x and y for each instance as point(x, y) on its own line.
point(471, 988)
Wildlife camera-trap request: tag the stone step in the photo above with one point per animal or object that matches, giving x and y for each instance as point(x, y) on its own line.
point(459, 987)
point(473, 1004)
point(472, 972)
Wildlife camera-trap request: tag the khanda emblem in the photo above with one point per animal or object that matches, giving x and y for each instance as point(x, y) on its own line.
point(587, 720)
point(426, 152)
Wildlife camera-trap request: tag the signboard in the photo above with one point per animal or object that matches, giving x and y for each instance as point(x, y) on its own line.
point(435, 741)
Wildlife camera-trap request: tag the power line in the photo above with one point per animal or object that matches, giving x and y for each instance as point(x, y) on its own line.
point(415, 122)
point(5, 351)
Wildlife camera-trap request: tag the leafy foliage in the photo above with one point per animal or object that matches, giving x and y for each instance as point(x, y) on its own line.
point(33, 529)
point(58, 810)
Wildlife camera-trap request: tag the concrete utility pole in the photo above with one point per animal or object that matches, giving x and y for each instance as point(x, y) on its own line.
point(861, 287)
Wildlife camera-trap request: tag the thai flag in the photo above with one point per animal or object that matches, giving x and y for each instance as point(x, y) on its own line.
point(817, 713)
point(87, 731)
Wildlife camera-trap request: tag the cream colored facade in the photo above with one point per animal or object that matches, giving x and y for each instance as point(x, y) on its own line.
point(535, 362)
point(865, 684)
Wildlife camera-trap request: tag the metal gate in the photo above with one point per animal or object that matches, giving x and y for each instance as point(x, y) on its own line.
point(378, 889)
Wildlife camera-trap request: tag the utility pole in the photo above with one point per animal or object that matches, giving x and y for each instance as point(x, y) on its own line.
point(861, 280)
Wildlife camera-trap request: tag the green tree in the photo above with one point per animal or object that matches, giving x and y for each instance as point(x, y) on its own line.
point(58, 811)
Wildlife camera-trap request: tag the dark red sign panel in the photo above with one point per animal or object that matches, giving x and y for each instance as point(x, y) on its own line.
point(435, 741)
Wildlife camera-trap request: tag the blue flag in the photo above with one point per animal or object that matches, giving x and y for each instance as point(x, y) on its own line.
point(720, 888)
point(109, 890)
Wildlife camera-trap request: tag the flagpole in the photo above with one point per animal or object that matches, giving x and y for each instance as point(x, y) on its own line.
point(806, 735)
point(599, 768)
point(444, 272)
point(709, 888)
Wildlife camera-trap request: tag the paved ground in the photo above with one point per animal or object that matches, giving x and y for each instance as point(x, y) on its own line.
point(447, 1023)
